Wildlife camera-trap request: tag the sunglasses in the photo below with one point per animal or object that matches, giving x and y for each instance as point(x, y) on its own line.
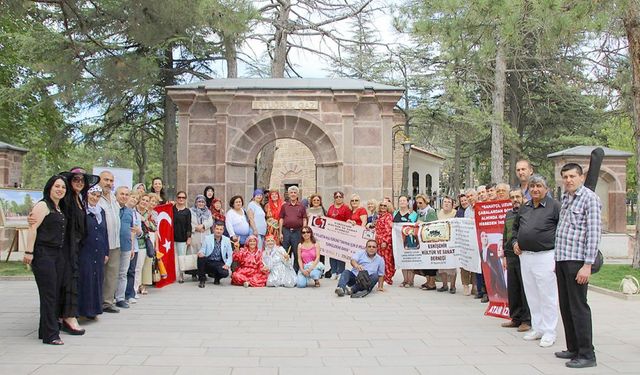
point(355, 200)
point(372, 246)
point(337, 196)
point(383, 205)
point(78, 179)
point(305, 232)
point(182, 197)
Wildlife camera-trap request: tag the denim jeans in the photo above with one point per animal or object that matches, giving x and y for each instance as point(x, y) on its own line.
point(304, 281)
point(347, 278)
point(337, 266)
point(130, 291)
point(291, 238)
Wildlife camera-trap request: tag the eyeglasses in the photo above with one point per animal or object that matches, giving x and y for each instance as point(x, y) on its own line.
point(355, 200)
point(306, 232)
point(182, 197)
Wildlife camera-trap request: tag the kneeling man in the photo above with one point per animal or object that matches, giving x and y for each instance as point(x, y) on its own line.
point(363, 261)
point(215, 256)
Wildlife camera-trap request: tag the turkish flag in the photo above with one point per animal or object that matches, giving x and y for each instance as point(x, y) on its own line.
point(165, 243)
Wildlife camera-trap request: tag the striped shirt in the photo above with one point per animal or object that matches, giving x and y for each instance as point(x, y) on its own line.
point(580, 226)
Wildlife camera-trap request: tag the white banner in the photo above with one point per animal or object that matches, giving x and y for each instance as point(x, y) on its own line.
point(338, 239)
point(438, 244)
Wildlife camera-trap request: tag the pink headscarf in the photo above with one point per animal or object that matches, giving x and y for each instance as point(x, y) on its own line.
point(249, 238)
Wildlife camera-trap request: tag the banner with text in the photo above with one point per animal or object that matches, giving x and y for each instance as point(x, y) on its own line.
point(438, 244)
point(338, 239)
point(489, 226)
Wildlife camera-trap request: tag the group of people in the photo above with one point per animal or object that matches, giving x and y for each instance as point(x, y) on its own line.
point(87, 248)
point(91, 248)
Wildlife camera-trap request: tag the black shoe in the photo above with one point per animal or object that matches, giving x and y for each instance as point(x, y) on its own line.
point(327, 275)
point(201, 284)
point(180, 281)
point(565, 354)
point(443, 289)
point(216, 282)
point(340, 291)
point(111, 309)
point(452, 290)
point(478, 296)
point(360, 294)
point(122, 304)
point(194, 277)
point(581, 363)
point(75, 332)
point(484, 299)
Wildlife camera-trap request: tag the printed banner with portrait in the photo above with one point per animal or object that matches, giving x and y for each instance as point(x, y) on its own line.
point(438, 244)
point(339, 239)
point(489, 226)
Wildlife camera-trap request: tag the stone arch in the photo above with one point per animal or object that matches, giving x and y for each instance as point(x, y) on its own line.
point(269, 127)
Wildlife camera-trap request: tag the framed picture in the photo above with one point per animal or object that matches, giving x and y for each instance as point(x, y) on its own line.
point(15, 205)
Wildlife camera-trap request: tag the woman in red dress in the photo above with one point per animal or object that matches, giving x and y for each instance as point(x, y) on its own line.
point(251, 270)
point(384, 226)
point(272, 213)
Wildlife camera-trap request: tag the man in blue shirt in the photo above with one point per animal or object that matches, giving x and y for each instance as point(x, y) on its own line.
point(127, 238)
point(215, 256)
point(363, 261)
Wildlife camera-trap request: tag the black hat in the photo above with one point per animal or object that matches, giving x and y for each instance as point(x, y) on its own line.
point(89, 179)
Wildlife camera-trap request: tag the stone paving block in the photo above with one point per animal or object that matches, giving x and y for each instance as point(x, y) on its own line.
point(508, 369)
point(315, 371)
point(34, 358)
point(385, 371)
point(128, 359)
point(184, 351)
point(416, 360)
point(166, 360)
point(290, 362)
point(76, 370)
point(203, 370)
point(449, 370)
point(254, 371)
point(350, 361)
point(227, 352)
point(137, 370)
point(559, 368)
point(344, 343)
point(17, 369)
point(86, 358)
point(278, 352)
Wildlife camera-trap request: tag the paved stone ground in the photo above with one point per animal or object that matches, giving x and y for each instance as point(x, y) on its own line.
point(182, 329)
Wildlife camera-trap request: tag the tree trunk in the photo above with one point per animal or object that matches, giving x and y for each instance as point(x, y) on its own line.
point(456, 163)
point(515, 101)
point(265, 166)
point(279, 53)
point(497, 137)
point(170, 136)
point(632, 27)
point(231, 56)
point(144, 158)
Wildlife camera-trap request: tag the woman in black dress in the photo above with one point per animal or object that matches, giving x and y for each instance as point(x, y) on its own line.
point(45, 253)
point(80, 183)
point(93, 256)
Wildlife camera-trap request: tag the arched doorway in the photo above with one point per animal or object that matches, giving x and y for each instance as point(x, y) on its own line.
point(293, 164)
point(299, 128)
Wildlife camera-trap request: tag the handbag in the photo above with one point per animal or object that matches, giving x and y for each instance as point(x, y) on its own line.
point(629, 285)
point(363, 281)
point(148, 244)
point(188, 262)
point(156, 271)
point(599, 261)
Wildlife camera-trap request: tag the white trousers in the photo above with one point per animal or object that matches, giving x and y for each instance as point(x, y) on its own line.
point(137, 280)
point(541, 289)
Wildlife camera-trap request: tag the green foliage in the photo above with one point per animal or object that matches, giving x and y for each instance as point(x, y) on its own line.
point(611, 275)
point(14, 268)
point(618, 134)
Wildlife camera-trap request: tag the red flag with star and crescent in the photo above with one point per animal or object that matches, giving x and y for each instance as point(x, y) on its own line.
point(165, 243)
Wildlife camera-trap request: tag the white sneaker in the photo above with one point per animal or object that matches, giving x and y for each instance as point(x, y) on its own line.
point(132, 301)
point(532, 336)
point(347, 289)
point(547, 341)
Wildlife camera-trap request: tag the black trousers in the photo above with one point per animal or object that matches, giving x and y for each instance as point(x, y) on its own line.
point(575, 311)
point(518, 307)
point(212, 267)
point(48, 269)
point(292, 238)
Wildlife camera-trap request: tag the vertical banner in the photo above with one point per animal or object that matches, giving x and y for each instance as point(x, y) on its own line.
point(436, 245)
point(165, 252)
point(489, 226)
point(339, 239)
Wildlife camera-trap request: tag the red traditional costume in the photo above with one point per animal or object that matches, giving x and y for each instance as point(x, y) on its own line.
point(272, 212)
point(250, 266)
point(384, 227)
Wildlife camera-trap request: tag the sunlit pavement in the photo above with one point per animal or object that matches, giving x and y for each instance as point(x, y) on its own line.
point(182, 329)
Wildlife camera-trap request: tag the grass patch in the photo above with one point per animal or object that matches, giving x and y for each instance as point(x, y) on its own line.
point(610, 276)
point(14, 268)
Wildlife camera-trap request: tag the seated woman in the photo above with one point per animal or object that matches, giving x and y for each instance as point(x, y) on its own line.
point(279, 264)
point(250, 271)
point(309, 259)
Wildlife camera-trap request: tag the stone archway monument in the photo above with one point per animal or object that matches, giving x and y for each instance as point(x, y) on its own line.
point(346, 124)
